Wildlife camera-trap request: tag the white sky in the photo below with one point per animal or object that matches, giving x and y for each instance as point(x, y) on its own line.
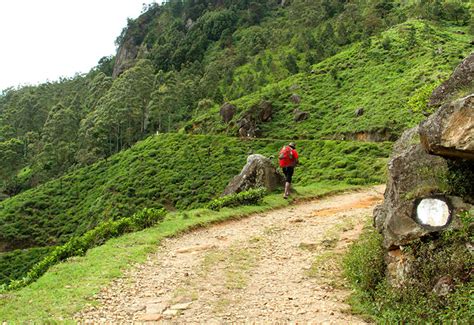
point(43, 40)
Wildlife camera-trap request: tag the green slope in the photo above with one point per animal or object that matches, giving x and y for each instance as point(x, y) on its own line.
point(380, 75)
point(169, 170)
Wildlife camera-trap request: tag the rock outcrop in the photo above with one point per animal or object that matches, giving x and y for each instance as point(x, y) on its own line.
point(266, 111)
point(295, 99)
point(258, 172)
point(227, 112)
point(462, 78)
point(248, 127)
point(422, 196)
point(413, 175)
point(299, 115)
point(449, 132)
point(125, 58)
point(248, 124)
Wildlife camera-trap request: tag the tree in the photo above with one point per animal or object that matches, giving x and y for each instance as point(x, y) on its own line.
point(12, 160)
point(456, 11)
point(59, 140)
point(291, 63)
point(121, 116)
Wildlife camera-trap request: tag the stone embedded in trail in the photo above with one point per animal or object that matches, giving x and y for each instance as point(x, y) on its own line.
point(171, 312)
point(182, 306)
point(258, 172)
point(150, 317)
point(450, 131)
point(197, 248)
point(155, 308)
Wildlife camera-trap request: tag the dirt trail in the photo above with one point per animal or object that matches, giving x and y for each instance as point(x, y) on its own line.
point(279, 267)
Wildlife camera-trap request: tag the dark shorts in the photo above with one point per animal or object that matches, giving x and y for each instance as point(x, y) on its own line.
point(288, 171)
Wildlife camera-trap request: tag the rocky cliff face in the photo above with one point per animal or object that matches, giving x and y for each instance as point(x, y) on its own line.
point(125, 58)
point(427, 190)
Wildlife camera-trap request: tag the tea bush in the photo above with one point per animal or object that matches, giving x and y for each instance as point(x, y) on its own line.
point(249, 197)
point(79, 245)
point(174, 171)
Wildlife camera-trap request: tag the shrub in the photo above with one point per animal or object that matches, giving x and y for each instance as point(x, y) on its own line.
point(249, 197)
point(79, 245)
point(440, 254)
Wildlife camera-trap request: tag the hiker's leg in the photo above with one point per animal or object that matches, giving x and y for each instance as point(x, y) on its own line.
point(289, 177)
point(287, 189)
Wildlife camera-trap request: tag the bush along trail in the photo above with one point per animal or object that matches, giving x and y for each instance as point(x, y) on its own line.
point(277, 266)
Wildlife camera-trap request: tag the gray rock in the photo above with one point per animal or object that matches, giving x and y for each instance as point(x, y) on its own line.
point(462, 78)
point(399, 266)
point(227, 112)
point(266, 111)
point(450, 131)
point(258, 172)
point(444, 286)
point(413, 174)
point(125, 57)
point(295, 99)
point(359, 112)
point(294, 87)
point(299, 115)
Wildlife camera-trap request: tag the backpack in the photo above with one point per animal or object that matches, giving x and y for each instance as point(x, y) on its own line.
point(286, 153)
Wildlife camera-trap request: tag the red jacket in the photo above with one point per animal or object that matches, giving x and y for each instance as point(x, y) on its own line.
point(288, 161)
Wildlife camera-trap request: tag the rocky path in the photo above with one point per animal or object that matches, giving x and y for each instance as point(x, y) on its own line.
point(280, 267)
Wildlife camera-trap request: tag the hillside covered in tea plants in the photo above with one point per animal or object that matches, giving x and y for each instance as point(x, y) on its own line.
point(171, 171)
point(144, 129)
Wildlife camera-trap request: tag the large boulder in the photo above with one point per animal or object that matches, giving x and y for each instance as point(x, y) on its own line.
point(449, 132)
point(248, 124)
point(415, 203)
point(248, 127)
point(227, 112)
point(429, 189)
point(258, 172)
point(266, 111)
point(461, 79)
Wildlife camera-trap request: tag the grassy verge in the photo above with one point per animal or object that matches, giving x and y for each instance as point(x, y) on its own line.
point(444, 254)
point(69, 286)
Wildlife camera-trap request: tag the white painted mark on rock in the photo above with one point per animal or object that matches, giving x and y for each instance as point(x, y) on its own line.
point(433, 212)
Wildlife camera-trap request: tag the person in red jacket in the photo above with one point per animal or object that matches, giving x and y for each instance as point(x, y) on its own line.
point(288, 160)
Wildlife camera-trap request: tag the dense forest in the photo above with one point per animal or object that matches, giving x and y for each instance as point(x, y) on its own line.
point(143, 129)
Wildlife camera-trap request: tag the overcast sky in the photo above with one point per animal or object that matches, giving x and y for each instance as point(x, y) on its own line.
point(43, 40)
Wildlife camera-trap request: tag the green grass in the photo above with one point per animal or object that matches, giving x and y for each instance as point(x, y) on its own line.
point(172, 171)
point(442, 254)
point(70, 286)
point(384, 80)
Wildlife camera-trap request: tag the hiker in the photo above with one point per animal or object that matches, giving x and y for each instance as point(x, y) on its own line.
point(288, 160)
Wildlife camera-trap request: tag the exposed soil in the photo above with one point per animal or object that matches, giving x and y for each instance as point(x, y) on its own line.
point(282, 266)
